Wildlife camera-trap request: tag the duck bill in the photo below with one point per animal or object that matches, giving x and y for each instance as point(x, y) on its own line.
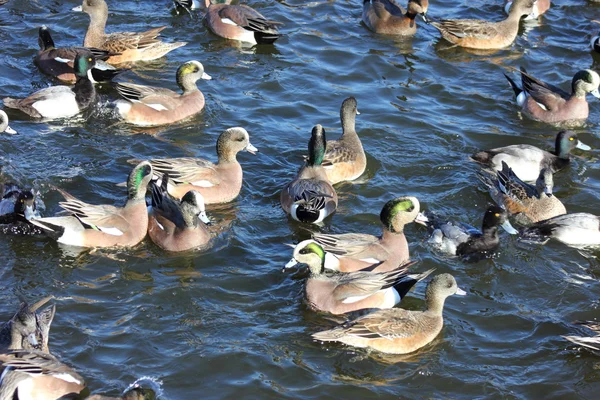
point(204, 218)
point(595, 93)
point(548, 191)
point(31, 213)
point(460, 292)
point(582, 146)
point(421, 219)
point(291, 264)
point(425, 18)
point(33, 340)
point(206, 76)
point(10, 130)
point(509, 228)
point(78, 9)
point(251, 149)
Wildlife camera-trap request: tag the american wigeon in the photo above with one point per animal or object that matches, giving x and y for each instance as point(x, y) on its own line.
point(240, 22)
point(589, 342)
point(310, 197)
point(40, 376)
point(388, 17)
point(464, 240)
point(174, 225)
point(352, 291)
point(528, 161)
point(398, 331)
point(546, 103)
point(595, 41)
point(196, 4)
point(28, 329)
point(17, 207)
point(4, 124)
point(61, 101)
point(58, 62)
point(576, 230)
point(148, 106)
point(345, 158)
point(526, 202)
point(218, 183)
point(103, 225)
point(480, 34)
point(539, 8)
point(142, 46)
point(355, 251)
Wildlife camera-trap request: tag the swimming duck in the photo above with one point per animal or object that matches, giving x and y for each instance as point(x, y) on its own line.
point(398, 331)
point(37, 375)
point(527, 202)
point(103, 225)
point(352, 291)
point(539, 8)
point(595, 41)
point(466, 241)
point(528, 161)
point(355, 251)
point(218, 183)
point(240, 22)
point(147, 105)
point(196, 4)
point(546, 103)
point(589, 342)
point(310, 197)
point(174, 225)
point(17, 208)
point(28, 330)
point(479, 34)
point(4, 124)
point(142, 46)
point(61, 101)
point(345, 158)
point(388, 17)
point(576, 230)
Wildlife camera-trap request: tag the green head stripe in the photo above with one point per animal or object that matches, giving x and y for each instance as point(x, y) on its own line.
point(392, 208)
point(313, 248)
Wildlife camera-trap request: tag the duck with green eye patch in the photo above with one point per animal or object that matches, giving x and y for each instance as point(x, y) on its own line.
point(356, 251)
point(61, 101)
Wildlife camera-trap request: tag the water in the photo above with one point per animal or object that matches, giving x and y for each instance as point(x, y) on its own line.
point(227, 323)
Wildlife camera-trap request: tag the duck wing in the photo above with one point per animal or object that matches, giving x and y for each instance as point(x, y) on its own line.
point(388, 324)
point(465, 28)
point(549, 96)
point(187, 170)
point(123, 41)
point(345, 244)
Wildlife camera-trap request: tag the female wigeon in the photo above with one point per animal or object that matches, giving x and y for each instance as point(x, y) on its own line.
point(28, 329)
point(388, 17)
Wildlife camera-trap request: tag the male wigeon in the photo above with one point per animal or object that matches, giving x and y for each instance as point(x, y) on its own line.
point(480, 34)
point(28, 329)
point(395, 330)
point(103, 225)
point(352, 291)
point(310, 197)
point(355, 251)
point(539, 8)
point(218, 183)
point(528, 203)
point(240, 22)
point(143, 46)
point(546, 103)
point(61, 101)
point(4, 124)
point(345, 158)
point(527, 161)
point(148, 106)
point(388, 17)
point(575, 230)
point(177, 225)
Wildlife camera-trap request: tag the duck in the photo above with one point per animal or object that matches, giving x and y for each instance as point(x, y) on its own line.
point(177, 225)
point(351, 291)
point(310, 197)
point(61, 101)
point(479, 34)
point(196, 4)
point(528, 161)
point(349, 252)
point(17, 207)
point(240, 22)
point(103, 225)
point(466, 241)
point(388, 17)
point(142, 46)
point(396, 330)
point(576, 230)
point(4, 124)
point(589, 342)
point(151, 106)
point(595, 41)
point(58, 62)
point(345, 158)
point(38, 375)
point(217, 183)
point(546, 103)
point(528, 203)
point(28, 329)
point(539, 8)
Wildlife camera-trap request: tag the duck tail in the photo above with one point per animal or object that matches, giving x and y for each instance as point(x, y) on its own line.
point(330, 335)
point(539, 233)
point(514, 86)
point(406, 283)
point(106, 75)
point(266, 37)
point(51, 230)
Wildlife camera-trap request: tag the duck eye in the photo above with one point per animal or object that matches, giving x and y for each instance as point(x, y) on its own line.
point(89, 60)
point(571, 139)
point(304, 251)
point(240, 139)
point(497, 215)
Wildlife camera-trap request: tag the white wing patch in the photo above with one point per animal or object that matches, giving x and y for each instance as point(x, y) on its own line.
point(203, 184)
point(111, 231)
point(228, 21)
point(157, 107)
